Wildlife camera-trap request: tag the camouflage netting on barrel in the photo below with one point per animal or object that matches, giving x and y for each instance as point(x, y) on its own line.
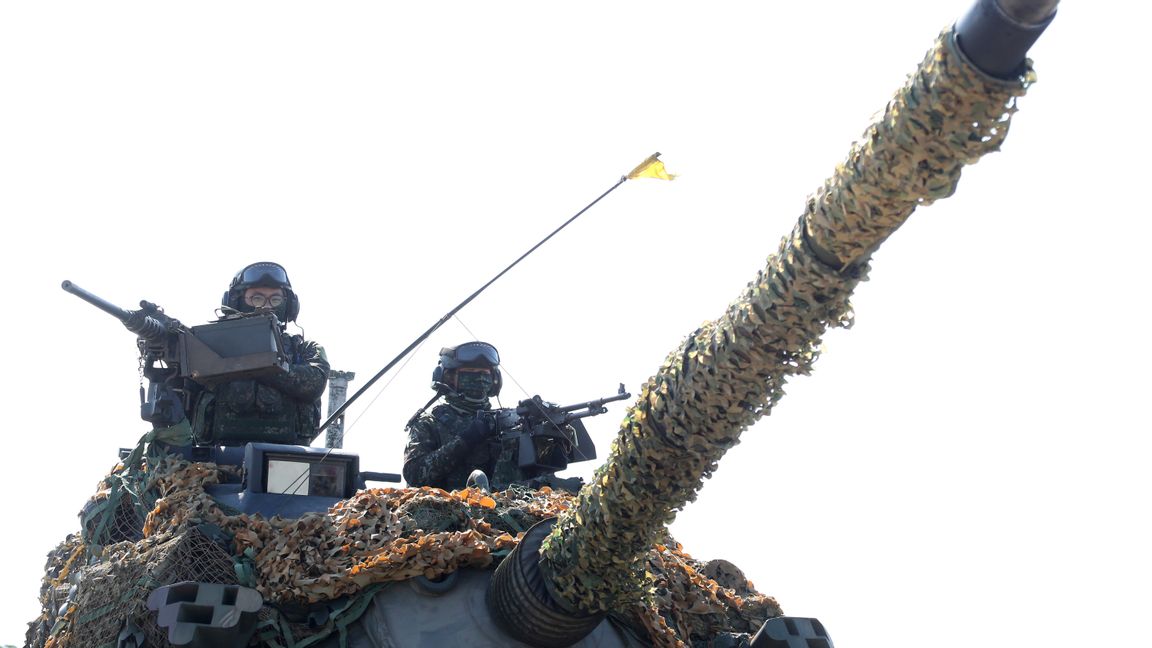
point(92, 592)
point(948, 114)
point(729, 373)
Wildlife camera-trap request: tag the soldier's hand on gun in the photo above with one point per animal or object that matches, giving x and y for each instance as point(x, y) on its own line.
point(481, 428)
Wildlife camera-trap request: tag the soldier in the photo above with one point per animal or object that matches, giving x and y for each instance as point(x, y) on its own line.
point(278, 408)
point(464, 435)
point(456, 437)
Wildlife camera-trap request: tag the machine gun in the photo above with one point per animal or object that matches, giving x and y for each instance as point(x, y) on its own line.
point(173, 355)
point(548, 436)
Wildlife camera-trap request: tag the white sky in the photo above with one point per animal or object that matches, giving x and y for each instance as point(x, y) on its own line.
point(966, 465)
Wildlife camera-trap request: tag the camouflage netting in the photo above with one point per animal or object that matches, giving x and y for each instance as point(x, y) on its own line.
point(948, 115)
point(376, 537)
point(729, 373)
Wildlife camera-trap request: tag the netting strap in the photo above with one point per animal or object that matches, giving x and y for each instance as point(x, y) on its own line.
point(519, 528)
point(348, 614)
point(179, 434)
point(127, 480)
point(97, 613)
point(272, 630)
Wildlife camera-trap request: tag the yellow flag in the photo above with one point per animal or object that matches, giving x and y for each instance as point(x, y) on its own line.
point(651, 168)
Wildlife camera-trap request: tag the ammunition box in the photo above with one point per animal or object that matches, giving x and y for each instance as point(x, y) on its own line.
point(232, 349)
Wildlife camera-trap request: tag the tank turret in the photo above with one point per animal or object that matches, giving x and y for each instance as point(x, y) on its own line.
point(398, 567)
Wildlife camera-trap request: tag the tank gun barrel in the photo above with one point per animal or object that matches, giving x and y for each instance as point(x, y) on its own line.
point(730, 372)
point(899, 163)
point(1031, 12)
point(995, 34)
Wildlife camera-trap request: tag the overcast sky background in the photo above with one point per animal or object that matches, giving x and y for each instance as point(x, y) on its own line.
point(967, 465)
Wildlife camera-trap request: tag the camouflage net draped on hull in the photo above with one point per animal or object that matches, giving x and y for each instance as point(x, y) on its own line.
point(379, 536)
point(729, 373)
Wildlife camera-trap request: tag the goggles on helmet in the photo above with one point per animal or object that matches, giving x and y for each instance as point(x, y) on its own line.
point(471, 353)
point(264, 274)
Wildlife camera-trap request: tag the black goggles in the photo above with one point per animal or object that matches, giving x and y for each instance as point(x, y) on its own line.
point(471, 353)
point(264, 273)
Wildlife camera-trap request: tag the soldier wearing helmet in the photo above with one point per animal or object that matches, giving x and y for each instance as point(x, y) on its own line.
point(278, 408)
point(459, 435)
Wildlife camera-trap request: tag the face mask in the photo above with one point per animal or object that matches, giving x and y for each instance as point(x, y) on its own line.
point(474, 385)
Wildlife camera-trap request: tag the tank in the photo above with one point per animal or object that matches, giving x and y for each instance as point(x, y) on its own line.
point(201, 548)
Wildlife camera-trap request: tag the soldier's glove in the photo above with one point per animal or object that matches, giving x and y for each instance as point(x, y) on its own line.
point(478, 430)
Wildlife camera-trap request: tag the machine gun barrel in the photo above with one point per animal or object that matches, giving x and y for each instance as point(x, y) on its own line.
point(535, 409)
point(592, 407)
point(98, 302)
point(148, 322)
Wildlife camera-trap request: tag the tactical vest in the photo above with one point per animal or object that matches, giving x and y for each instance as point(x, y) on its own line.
point(244, 411)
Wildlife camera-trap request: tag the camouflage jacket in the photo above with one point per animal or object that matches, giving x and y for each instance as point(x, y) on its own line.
point(281, 408)
point(437, 456)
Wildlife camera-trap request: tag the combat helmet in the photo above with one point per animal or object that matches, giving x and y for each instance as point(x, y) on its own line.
point(479, 355)
point(262, 274)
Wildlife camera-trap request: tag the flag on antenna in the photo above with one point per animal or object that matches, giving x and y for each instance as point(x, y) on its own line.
point(651, 168)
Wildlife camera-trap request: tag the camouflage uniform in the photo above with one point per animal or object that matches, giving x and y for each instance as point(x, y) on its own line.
point(443, 450)
point(438, 456)
point(283, 408)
